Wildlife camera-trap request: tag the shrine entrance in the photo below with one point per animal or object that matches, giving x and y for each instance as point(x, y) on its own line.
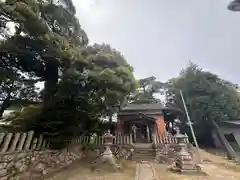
point(141, 128)
point(140, 133)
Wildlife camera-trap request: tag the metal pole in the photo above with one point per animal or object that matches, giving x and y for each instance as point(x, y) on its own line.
point(190, 125)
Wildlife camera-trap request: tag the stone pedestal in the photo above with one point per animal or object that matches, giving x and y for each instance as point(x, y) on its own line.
point(184, 161)
point(109, 158)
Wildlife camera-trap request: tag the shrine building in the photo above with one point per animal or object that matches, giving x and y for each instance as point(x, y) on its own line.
point(145, 121)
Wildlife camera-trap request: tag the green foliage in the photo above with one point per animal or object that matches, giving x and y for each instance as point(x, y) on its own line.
point(146, 90)
point(24, 119)
point(15, 87)
point(82, 83)
point(207, 96)
point(85, 95)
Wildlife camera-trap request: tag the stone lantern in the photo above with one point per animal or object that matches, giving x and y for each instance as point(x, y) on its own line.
point(179, 137)
point(108, 139)
point(184, 161)
point(107, 154)
point(93, 138)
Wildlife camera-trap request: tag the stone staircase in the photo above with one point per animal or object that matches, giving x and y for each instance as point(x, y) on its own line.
point(141, 140)
point(142, 153)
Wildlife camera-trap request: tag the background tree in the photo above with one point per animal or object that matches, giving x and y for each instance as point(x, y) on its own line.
point(148, 87)
point(207, 96)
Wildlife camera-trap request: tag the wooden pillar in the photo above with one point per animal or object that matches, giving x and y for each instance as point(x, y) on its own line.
point(151, 126)
point(133, 128)
point(148, 132)
point(119, 127)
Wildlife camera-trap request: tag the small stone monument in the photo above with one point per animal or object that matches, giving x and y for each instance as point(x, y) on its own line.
point(93, 138)
point(184, 162)
point(107, 156)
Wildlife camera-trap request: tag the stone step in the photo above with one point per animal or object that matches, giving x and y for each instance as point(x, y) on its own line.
point(142, 145)
point(137, 156)
point(143, 152)
point(187, 171)
point(142, 159)
point(144, 149)
point(143, 156)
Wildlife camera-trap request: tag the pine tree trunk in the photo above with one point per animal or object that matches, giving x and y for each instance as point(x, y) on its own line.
point(51, 80)
point(110, 118)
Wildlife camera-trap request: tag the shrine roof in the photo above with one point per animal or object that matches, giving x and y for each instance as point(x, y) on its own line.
point(147, 108)
point(137, 107)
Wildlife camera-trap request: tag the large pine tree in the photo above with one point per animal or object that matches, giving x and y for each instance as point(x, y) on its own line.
point(81, 82)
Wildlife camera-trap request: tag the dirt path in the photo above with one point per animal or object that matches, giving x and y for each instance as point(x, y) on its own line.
point(145, 171)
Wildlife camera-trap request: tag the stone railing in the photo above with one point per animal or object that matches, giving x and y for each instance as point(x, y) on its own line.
point(99, 140)
point(125, 140)
point(24, 156)
point(167, 139)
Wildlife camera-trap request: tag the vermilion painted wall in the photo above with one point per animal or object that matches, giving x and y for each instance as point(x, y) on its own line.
point(160, 125)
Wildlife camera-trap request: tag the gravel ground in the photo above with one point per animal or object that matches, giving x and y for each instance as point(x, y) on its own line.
point(82, 171)
point(215, 167)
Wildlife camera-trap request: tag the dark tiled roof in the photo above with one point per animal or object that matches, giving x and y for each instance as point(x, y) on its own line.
point(139, 107)
point(151, 106)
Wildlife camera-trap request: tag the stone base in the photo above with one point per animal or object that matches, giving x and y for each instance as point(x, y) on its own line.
point(100, 163)
point(191, 170)
point(106, 158)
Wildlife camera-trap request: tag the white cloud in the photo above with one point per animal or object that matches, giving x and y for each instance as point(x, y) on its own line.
point(84, 5)
point(95, 17)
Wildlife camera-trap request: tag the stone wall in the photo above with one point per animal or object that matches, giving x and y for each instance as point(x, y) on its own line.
point(23, 156)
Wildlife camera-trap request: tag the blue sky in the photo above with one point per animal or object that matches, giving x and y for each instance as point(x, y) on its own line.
point(159, 37)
